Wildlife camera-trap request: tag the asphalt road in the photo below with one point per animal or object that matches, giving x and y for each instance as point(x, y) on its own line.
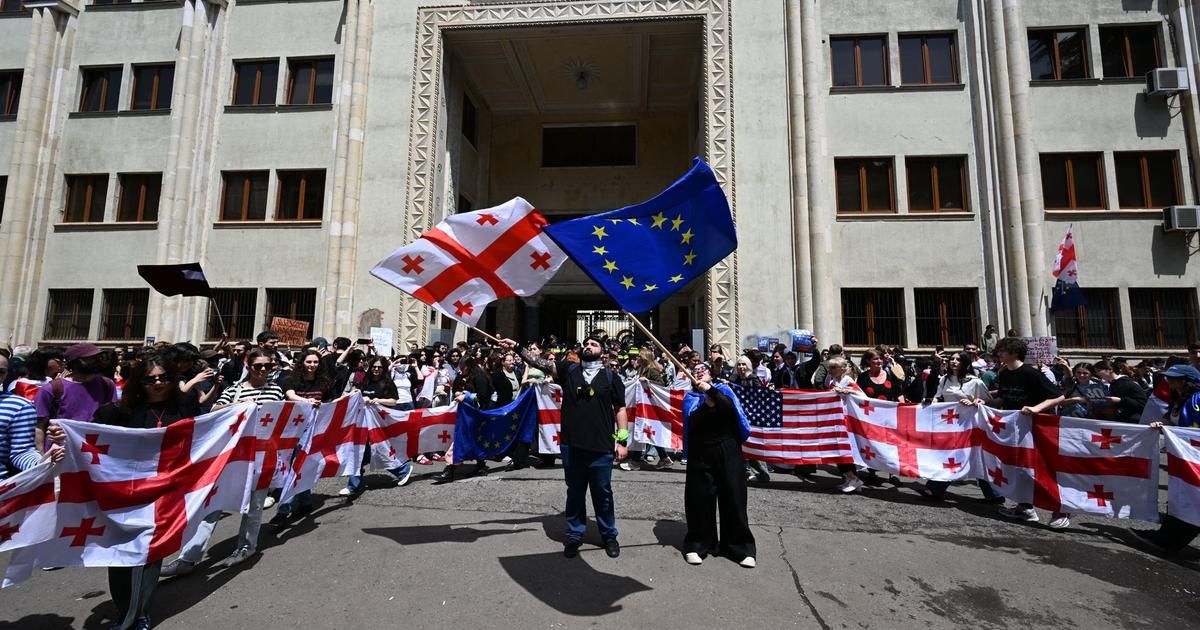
point(486, 552)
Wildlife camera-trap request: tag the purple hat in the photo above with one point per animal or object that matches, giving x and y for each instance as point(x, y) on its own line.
point(80, 351)
point(1185, 372)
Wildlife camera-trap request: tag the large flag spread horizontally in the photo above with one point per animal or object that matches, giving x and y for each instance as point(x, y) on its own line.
point(480, 434)
point(474, 258)
point(1183, 464)
point(27, 510)
point(397, 436)
point(1067, 294)
point(640, 255)
point(277, 432)
point(795, 427)
point(332, 446)
point(657, 414)
point(931, 441)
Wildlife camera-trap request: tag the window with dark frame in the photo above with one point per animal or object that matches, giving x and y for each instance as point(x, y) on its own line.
point(1058, 54)
point(85, 198)
point(1163, 318)
point(244, 197)
point(946, 317)
point(152, 85)
point(1096, 325)
point(299, 304)
point(1148, 179)
point(101, 89)
point(123, 314)
point(12, 6)
point(310, 81)
point(68, 314)
point(589, 145)
point(139, 196)
point(1130, 51)
point(470, 121)
point(865, 185)
point(237, 307)
point(1073, 181)
point(10, 92)
point(301, 195)
point(859, 61)
point(937, 184)
point(928, 59)
point(255, 81)
point(873, 316)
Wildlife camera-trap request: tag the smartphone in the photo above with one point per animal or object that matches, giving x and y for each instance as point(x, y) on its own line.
point(363, 342)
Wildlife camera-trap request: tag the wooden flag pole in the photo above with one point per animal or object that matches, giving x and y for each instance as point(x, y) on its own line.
point(490, 337)
point(646, 331)
point(220, 320)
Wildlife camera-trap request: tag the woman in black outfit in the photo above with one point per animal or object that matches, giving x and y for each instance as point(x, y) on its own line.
point(151, 400)
point(471, 378)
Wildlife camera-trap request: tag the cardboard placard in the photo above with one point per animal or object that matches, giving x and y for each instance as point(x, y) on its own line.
point(292, 332)
point(383, 340)
point(1041, 349)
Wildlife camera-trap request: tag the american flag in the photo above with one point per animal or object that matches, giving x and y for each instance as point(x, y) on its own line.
point(795, 427)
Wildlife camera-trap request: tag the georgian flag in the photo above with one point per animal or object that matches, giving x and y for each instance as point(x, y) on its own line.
point(1183, 465)
point(930, 442)
point(27, 509)
point(397, 436)
point(549, 401)
point(1067, 294)
point(277, 432)
point(332, 446)
point(1005, 458)
point(472, 259)
point(657, 414)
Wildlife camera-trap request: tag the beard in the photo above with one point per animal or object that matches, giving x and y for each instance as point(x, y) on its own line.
point(588, 355)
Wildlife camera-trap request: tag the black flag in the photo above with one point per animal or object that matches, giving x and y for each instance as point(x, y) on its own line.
point(185, 279)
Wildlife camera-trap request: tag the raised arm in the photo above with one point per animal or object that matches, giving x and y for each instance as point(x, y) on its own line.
point(545, 365)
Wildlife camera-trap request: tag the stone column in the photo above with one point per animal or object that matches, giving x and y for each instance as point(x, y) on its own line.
point(345, 88)
point(798, 163)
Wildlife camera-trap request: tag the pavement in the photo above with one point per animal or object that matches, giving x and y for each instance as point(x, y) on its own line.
point(487, 552)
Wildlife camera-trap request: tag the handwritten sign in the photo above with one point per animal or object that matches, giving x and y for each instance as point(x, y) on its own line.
point(1041, 349)
point(383, 340)
point(292, 332)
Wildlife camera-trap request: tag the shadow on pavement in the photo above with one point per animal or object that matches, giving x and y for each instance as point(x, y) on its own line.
point(464, 533)
point(49, 621)
point(570, 585)
point(670, 533)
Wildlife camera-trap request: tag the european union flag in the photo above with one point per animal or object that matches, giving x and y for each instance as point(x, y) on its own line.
point(480, 434)
point(640, 255)
point(1067, 296)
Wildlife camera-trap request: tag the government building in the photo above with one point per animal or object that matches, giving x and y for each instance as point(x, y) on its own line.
point(900, 171)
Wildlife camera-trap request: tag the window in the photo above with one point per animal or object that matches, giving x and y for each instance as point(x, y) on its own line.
point(1148, 179)
point(152, 87)
point(859, 61)
point(237, 308)
point(245, 196)
point(928, 59)
point(101, 88)
point(946, 317)
point(937, 184)
point(1055, 55)
point(1073, 181)
point(598, 145)
point(1130, 51)
point(124, 314)
point(865, 185)
point(11, 6)
point(1163, 318)
point(310, 81)
point(85, 198)
point(298, 304)
point(254, 82)
point(1097, 325)
point(301, 195)
point(139, 196)
point(873, 316)
point(10, 92)
point(470, 121)
point(69, 314)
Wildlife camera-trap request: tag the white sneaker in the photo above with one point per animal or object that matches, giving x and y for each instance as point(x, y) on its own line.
point(850, 486)
point(1029, 515)
point(1061, 521)
point(625, 465)
point(268, 503)
point(405, 474)
point(748, 562)
point(651, 460)
point(345, 492)
point(693, 558)
point(666, 463)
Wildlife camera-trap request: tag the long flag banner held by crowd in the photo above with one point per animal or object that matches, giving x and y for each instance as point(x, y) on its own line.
point(131, 496)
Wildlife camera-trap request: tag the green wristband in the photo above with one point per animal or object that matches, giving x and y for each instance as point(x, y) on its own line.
point(622, 435)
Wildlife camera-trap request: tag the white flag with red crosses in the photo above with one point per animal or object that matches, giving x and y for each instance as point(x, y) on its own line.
point(930, 442)
point(332, 446)
point(1183, 465)
point(549, 401)
point(27, 510)
point(657, 414)
point(397, 436)
point(474, 258)
point(277, 432)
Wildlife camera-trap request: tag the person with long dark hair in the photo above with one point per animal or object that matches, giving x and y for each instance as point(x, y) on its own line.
point(308, 383)
point(41, 366)
point(376, 389)
point(961, 385)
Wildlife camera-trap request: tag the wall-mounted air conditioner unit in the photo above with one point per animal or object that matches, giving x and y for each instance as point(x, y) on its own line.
point(1181, 219)
point(1163, 81)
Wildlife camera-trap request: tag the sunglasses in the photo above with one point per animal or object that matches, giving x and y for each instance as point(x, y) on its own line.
point(157, 379)
point(260, 366)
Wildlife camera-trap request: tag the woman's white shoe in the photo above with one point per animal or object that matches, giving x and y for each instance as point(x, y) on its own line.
point(748, 562)
point(693, 558)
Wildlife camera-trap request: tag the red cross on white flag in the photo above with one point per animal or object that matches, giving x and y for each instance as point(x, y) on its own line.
point(331, 447)
point(396, 436)
point(658, 414)
point(1183, 464)
point(549, 401)
point(930, 442)
point(474, 258)
point(27, 509)
point(1064, 262)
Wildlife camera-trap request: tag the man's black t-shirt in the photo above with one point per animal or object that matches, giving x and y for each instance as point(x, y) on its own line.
point(1025, 386)
point(589, 410)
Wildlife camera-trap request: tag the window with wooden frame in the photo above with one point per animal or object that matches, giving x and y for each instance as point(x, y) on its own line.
point(301, 195)
point(946, 317)
point(1058, 54)
point(1148, 179)
point(1073, 181)
point(86, 195)
point(859, 61)
point(152, 86)
point(139, 196)
point(310, 81)
point(1096, 325)
point(10, 92)
point(299, 304)
point(101, 89)
point(244, 195)
point(68, 314)
point(865, 185)
point(873, 316)
point(255, 81)
point(928, 59)
point(237, 308)
point(937, 184)
point(1130, 51)
point(123, 314)
point(1163, 318)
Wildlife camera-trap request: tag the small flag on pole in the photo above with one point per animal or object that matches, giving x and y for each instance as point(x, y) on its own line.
point(186, 279)
point(1067, 294)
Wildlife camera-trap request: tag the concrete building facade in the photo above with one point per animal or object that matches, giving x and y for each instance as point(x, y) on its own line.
point(901, 172)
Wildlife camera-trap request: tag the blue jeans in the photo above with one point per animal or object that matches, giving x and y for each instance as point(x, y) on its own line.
point(586, 469)
point(302, 499)
point(355, 481)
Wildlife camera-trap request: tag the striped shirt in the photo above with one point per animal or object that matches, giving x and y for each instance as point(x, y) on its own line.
point(245, 392)
point(17, 422)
